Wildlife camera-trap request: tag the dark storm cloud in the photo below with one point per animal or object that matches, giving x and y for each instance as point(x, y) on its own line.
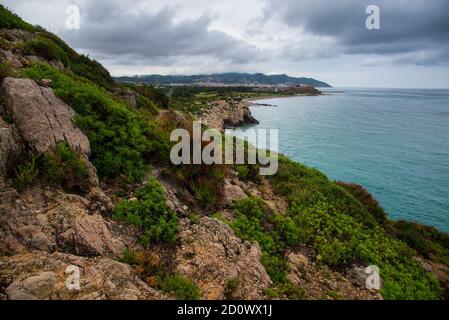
point(420, 26)
point(114, 28)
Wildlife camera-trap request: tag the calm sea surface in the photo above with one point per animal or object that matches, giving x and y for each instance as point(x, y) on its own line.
point(394, 142)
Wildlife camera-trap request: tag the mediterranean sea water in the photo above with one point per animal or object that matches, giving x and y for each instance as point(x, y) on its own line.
point(394, 142)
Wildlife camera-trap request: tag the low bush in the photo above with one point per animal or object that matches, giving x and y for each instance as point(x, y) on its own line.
point(345, 230)
point(60, 165)
point(152, 94)
point(64, 166)
point(150, 213)
point(150, 268)
point(370, 203)
point(205, 182)
point(242, 171)
point(5, 69)
point(181, 287)
point(51, 47)
point(9, 20)
point(117, 135)
point(255, 222)
point(427, 241)
point(46, 49)
point(26, 173)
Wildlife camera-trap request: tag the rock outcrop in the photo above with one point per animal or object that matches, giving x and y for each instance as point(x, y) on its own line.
point(320, 282)
point(40, 121)
point(212, 256)
point(225, 114)
point(44, 276)
point(41, 118)
point(40, 219)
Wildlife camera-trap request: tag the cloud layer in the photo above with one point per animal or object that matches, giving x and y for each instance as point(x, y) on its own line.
point(113, 28)
point(418, 29)
point(321, 38)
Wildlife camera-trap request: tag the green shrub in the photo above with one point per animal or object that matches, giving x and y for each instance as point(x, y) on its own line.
point(83, 66)
point(155, 272)
point(46, 49)
point(370, 203)
point(26, 173)
point(50, 47)
point(343, 226)
point(232, 285)
point(152, 94)
point(150, 214)
point(242, 171)
point(64, 166)
point(117, 135)
point(427, 241)
point(255, 222)
point(129, 257)
point(5, 69)
point(194, 218)
point(181, 287)
point(205, 182)
point(148, 105)
point(9, 20)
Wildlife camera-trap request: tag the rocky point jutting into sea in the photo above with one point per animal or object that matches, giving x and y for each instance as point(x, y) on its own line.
point(86, 185)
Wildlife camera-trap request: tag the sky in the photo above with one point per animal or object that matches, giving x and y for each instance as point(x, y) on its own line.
point(322, 39)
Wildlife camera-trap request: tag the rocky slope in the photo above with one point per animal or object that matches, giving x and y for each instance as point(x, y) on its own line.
point(48, 226)
point(44, 229)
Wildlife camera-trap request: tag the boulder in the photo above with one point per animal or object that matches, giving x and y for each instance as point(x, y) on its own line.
point(317, 280)
point(232, 192)
point(41, 118)
point(213, 257)
point(57, 222)
point(44, 276)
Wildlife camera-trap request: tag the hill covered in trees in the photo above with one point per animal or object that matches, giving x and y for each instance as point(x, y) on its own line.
point(224, 78)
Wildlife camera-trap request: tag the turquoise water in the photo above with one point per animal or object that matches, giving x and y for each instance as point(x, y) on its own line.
point(394, 142)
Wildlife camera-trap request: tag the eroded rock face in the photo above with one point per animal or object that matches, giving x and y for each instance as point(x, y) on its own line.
point(43, 276)
point(224, 114)
point(11, 147)
point(214, 257)
point(232, 192)
point(41, 118)
point(48, 221)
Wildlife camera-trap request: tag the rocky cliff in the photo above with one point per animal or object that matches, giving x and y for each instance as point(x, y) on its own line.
point(227, 114)
point(77, 192)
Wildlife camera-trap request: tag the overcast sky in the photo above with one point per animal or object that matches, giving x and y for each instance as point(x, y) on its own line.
point(323, 39)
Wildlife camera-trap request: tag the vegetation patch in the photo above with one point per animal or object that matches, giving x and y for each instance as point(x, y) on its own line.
point(116, 134)
point(150, 213)
point(256, 222)
point(64, 166)
point(344, 231)
point(5, 69)
point(46, 49)
point(150, 268)
point(205, 182)
point(9, 20)
point(26, 173)
point(61, 166)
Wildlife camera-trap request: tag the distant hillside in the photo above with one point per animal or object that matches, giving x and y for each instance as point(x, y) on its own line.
point(226, 78)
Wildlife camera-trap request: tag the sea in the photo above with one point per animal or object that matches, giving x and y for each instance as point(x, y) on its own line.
point(393, 142)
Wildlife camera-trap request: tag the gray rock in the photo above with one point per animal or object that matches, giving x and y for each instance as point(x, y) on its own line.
point(41, 118)
point(217, 257)
point(41, 275)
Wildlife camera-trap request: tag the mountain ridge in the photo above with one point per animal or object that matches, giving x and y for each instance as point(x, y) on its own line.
point(225, 78)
